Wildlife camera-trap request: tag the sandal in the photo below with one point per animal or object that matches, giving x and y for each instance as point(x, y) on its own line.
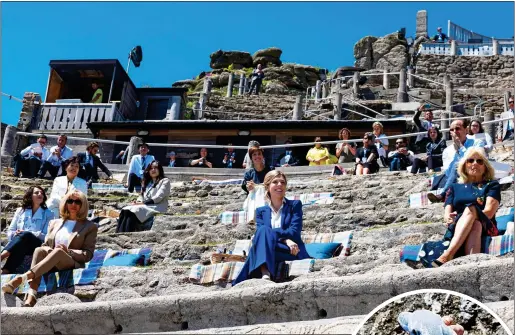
point(436, 263)
point(33, 293)
point(8, 288)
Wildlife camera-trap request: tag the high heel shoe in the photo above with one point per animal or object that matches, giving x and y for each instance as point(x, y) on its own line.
point(9, 287)
point(32, 293)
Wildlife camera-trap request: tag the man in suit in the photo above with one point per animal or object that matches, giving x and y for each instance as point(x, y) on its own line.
point(137, 166)
point(29, 160)
point(286, 158)
point(89, 162)
point(58, 155)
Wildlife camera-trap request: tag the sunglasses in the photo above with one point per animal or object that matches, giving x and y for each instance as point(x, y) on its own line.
point(74, 201)
point(478, 161)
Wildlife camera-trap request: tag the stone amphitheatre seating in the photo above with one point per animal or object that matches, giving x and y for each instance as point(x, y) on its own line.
point(160, 297)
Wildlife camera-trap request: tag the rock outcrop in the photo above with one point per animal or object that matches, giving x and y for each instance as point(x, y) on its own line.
point(222, 59)
point(267, 57)
point(386, 53)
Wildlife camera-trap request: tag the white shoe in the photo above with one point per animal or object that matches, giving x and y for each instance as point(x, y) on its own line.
point(266, 277)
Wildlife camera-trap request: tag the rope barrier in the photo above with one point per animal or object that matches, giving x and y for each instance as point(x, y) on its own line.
point(436, 82)
point(275, 146)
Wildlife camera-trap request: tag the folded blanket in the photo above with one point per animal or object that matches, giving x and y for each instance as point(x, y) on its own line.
point(498, 245)
point(203, 182)
point(233, 217)
point(420, 199)
point(100, 187)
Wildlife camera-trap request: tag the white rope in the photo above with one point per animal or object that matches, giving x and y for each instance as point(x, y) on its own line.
point(212, 146)
point(436, 82)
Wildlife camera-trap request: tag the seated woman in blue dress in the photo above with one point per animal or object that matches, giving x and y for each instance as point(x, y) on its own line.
point(470, 208)
point(28, 228)
point(255, 175)
point(278, 229)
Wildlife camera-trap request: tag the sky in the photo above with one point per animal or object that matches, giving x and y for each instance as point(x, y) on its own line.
point(178, 37)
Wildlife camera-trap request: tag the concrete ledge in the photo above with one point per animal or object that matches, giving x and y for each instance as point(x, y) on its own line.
point(331, 297)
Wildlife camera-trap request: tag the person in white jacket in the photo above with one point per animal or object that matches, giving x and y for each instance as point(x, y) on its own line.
point(30, 159)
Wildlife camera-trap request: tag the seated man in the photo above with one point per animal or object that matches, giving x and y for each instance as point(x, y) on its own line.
point(173, 161)
point(89, 162)
point(28, 161)
point(229, 157)
point(401, 158)
point(287, 159)
point(58, 156)
point(137, 165)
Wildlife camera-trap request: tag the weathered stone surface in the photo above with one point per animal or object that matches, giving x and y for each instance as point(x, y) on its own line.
point(118, 294)
point(222, 59)
point(386, 53)
point(363, 52)
point(9, 300)
point(57, 299)
point(267, 57)
point(187, 83)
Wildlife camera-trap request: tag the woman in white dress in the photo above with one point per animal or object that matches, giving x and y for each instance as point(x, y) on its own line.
point(155, 189)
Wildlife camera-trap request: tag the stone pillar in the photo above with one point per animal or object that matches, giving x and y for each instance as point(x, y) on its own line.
point(230, 85)
point(411, 79)
point(495, 46)
point(454, 48)
point(245, 83)
point(338, 107)
point(325, 90)
point(448, 104)
point(386, 80)
point(507, 96)
point(421, 29)
point(355, 85)
point(8, 143)
point(196, 111)
point(31, 108)
point(208, 84)
point(133, 148)
point(318, 92)
point(402, 95)
point(297, 108)
point(107, 150)
point(242, 82)
point(490, 128)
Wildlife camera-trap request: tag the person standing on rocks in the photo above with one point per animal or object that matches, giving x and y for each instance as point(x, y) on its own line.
point(29, 160)
point(137, 166)
point(440, 37)
point(257, 78)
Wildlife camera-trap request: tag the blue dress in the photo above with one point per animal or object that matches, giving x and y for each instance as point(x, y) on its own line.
point(266, 245)
point(461, 196)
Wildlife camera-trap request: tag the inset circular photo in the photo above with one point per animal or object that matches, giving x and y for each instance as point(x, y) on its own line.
point(438, 312)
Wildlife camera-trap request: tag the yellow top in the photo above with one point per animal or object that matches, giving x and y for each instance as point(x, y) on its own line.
point(99, 100)
point(315, 154)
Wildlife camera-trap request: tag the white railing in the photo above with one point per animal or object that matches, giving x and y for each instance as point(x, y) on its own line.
point(74, 116)
point(480, 49)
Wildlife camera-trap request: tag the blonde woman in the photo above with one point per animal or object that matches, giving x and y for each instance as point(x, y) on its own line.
point(278, 229)
point(470, 207)
point(317, 155)
point(380, 142)
point(69, 244)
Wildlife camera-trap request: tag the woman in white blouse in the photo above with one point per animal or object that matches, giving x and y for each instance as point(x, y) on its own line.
point(69, 244)
point(28, 228)
point(65, 184)
point(153, 200)
point(380, 142)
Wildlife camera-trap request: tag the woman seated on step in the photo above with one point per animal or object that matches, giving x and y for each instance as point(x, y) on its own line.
point(434, 150)
point(470, 208)
point(256, 175)
point(201, 161)
point(278, 232)
point(69, 244)
point(366, 156)
point(476, 130)
point(155, 190)
point(65, 184)
point(28, 228)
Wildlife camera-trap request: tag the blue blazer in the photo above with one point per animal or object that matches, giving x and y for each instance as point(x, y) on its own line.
point(291, 223)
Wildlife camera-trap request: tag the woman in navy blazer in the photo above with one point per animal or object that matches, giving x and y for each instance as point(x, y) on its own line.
point(278, 232)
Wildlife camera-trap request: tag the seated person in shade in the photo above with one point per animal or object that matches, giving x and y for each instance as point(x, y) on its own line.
point(476, 130)
point(247, 161)
point(434, 149)
point(137, 165)
point(366, 156)
point(470, 207)
point(229, 157)
point(345, 152)
point(28, 228)
point(173, 160)
point(153, 200)
point(29, 161)
point(64, 184)
point(255, 175)
point(69, 244)
point(90, 162)
point(278, 232)
point(401, 158)
point(287, 159)
point(201, 161)
point(317, 155)
point(58, 155)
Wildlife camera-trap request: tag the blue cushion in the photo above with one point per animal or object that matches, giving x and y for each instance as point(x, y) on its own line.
point(321, 250)
point(502, 221)
point(125, 260)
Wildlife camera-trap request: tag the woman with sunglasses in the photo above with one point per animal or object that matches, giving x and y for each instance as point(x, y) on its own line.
point(69, 244)
point(470, 208)
point(65, 184)
point(155, 189)
point(476, 131)
point(27, 230)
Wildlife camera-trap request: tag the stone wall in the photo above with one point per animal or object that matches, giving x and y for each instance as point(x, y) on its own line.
point(482, 72)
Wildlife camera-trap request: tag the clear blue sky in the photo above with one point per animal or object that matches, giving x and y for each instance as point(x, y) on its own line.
point(177, 38)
